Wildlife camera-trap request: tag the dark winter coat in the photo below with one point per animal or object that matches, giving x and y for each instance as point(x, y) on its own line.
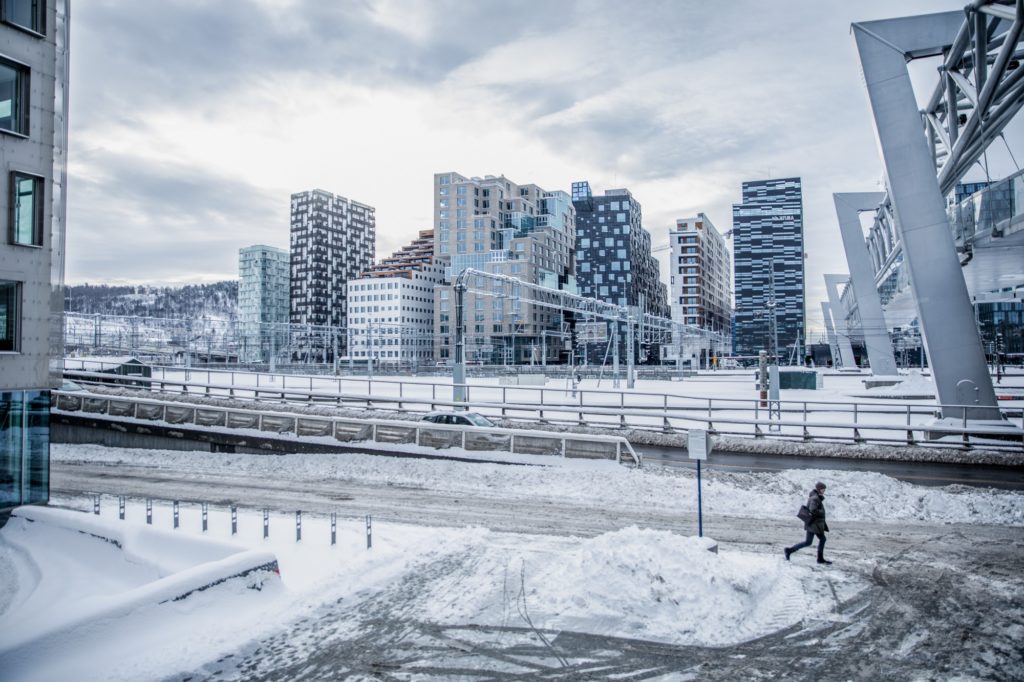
point(816, 505)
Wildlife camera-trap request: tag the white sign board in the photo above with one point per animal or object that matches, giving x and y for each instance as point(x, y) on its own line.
point(698, 444)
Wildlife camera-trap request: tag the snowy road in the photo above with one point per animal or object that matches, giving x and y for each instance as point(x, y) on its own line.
point(916, 592)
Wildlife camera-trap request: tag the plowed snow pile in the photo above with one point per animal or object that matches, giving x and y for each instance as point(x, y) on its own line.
point(641, 584)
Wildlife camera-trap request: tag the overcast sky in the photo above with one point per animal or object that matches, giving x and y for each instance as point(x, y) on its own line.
point(192, 122)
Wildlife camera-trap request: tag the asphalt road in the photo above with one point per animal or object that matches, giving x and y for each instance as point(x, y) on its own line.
point(919, 473)
point(940, 601)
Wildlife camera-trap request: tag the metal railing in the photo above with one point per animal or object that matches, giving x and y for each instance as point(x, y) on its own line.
point(851, 422)
point(349, 430)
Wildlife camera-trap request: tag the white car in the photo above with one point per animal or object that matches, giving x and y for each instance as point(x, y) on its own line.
point(459, 419)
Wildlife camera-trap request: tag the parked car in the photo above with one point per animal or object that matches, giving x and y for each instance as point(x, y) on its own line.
point(459, 419)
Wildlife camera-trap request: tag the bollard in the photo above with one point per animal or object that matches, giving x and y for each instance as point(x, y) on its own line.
point(369, 532)
point(149, 511)
point(96, 504)
point(234, 520)
point(120, 507)
point(205, 516)
point(298, 526)
point(174, 506)
point(334, 528)
point(266, 524)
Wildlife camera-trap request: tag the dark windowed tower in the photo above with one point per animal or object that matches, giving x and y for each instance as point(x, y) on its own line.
point(332, 241)
point(768, 230)
point(613, 252)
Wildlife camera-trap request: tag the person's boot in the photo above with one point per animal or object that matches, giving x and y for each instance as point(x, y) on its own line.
point(788, 551)
point(824, 561)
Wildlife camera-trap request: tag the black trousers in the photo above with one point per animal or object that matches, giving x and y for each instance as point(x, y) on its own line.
point(809, 541)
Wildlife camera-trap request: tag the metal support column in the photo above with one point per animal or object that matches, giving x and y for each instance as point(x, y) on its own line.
point(940, 293)
point(826, 311)
point(862, 278)
point(846, 357)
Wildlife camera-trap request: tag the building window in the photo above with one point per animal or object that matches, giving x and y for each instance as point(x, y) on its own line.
point(13, 97)
point(10, 296)
point(26, 213)
point(27, 14)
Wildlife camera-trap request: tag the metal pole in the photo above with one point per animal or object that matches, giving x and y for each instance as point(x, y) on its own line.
point(149, 511)
point(174, 507)
point(700, 506)
point(459, 365)
point(369, 532)
point(206, 524)
point(298, 526)
point(234, 520)
point(334, 528)
point(120, 507)
point(96, 504)
point(266, 524)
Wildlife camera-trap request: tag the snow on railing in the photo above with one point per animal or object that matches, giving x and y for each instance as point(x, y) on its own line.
point(812, 420)
point(381, 431)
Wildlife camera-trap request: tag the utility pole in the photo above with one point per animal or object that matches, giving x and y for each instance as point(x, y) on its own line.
point(630, 362)
point(459, 366)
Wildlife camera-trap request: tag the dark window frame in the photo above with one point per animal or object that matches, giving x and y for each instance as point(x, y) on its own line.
point(15, 341)
point(39, 192)
point(40, 17)
point(20, 106)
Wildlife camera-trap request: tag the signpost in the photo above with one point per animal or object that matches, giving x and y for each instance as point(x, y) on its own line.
point(698, 447)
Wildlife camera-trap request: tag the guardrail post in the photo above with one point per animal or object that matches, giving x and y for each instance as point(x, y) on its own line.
point(463, 439)
point(504, 399)
point(234, 520)
point(298, 526)
point(96, 505)
point(266, 524)
point(807, 434)
point(334, 528)
point(758, 433)
point(174, 512)
point(512, 443)
point(856, 431)
point(149, 511)
point(910, 432)
point(563, 447)
point(206, 524)
point(369, 532)
point(120, 507)
point(579, 413)
point(618, 452)
point(433, 397)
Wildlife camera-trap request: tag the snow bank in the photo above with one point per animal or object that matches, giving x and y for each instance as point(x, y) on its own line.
point(853, 496)
point(177, 565)
point(635, 583)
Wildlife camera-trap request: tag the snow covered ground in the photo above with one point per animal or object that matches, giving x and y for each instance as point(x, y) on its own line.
point(625, 582)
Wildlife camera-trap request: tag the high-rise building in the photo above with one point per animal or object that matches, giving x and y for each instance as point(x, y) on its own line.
point(391, 307)
point(701, 278)
point(494, 225)
point(332, 241)
point(768, 252)
point(263, 299)
point(33, 140)
point(613, 253)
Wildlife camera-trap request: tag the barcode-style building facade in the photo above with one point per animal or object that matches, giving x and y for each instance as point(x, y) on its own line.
point(333, 240)
point(768, 234)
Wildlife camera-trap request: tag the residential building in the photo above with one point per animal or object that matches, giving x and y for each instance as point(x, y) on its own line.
point(768, 253)
point(263, 300)
point(701, 277)
point(391, 307)
point(33, 144)
point(494, 225)
point(333, 240)
point(613, 254)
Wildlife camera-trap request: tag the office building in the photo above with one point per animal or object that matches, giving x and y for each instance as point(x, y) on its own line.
point(613, 255)
point(391, 307)
point(494, 225)
point(333, 240)
point(263, 300)
point(701, 275)
point(768, 253)
point(33, 142)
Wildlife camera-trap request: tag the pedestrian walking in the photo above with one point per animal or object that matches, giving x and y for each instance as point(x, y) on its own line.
point(814, 523)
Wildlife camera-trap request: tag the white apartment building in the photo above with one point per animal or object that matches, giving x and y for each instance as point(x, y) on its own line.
point(700, 278)
point(391, 307)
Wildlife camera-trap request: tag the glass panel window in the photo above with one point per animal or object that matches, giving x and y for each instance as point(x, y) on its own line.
point(29, 14)
point(9, 313)
point(26, 210)
point(13, 97)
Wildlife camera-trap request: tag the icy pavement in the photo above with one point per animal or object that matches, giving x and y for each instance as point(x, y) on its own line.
point(583, 570)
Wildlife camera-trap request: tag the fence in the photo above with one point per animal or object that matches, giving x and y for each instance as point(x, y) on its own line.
point(380, 431)
point(913, 423)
